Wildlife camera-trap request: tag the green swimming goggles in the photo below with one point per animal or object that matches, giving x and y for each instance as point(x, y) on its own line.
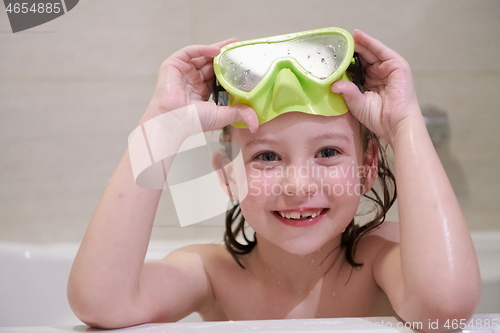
point(288, 73)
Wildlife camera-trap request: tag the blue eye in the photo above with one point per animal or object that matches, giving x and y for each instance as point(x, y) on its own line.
point(327, 153)
point(267, 156)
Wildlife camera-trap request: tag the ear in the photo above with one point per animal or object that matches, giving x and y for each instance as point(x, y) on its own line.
point(221, 165)
point(370, 164)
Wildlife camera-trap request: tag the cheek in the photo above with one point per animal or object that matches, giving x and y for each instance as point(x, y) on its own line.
point(343, 182)
point(261, 185)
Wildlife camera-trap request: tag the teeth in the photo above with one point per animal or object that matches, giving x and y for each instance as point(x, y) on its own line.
point(298, 215)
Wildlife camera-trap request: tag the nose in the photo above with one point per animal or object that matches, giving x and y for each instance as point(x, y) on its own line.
point(299, 181)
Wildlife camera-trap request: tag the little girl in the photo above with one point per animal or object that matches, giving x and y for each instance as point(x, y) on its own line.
point(307, 259)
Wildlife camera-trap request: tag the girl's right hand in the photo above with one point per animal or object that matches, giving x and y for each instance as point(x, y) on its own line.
point(186, 78)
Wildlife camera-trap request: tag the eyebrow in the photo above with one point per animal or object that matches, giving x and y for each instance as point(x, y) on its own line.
point(334, 136)
point(256, 142)
point(268, 141)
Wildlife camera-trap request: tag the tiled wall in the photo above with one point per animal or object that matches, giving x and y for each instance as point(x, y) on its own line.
point(72, 90)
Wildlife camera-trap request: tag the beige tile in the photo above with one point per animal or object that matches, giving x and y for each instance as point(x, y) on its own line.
point(431, 35)
point(98, 38)
point(72, 90)
point(470, 154)
point(472, 105)
point(61, 141)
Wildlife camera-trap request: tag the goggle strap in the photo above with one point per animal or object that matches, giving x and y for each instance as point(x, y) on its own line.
point(357, 72)
point(218, 89)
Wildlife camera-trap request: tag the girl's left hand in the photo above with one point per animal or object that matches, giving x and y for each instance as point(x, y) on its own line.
point(390, 97)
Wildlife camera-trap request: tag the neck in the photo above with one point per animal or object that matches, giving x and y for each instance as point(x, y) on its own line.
point(297, 272)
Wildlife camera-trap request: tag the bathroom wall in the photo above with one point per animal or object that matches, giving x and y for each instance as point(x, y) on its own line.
point(72, 90)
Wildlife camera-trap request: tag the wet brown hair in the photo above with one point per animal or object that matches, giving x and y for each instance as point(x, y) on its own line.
point(235, 221)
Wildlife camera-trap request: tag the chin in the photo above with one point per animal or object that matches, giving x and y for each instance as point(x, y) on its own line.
point(306, 246)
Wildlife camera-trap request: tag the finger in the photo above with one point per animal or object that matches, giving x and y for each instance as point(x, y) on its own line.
point(207, 71)
point(238, 113)
point(366, 56)
point(373, 50)
point(188, 53)
point(216, 116)
point(225, 42)
point(248, 116)
point(202, 61)
point(354, 99)
point(197, 56)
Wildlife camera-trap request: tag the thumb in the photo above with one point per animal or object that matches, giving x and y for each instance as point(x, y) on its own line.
point(354, 98)
point(243, 113)
point(224, 115)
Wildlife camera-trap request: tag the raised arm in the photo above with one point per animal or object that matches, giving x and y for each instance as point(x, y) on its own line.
point(109, 285)
point(433, 274)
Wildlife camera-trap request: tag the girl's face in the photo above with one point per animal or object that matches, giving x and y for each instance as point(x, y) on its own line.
point(305, 176)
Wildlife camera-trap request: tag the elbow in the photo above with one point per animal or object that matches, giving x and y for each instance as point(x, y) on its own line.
point(445, 310)
point(461, 301)
point(94, 315)
point(89, 312)
point(449, 317)
point(98, 312)
point(452, 314)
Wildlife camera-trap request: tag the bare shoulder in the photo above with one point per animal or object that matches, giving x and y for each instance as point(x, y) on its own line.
point(378, 241)
point(388, 231)
point(212, 264)
point(203, 254)
point(210, 259)
point(215, 260)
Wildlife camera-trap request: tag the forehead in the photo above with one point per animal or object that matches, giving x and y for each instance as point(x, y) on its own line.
point(299, 126)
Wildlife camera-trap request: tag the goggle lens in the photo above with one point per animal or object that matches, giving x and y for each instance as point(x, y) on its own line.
point(244, 67)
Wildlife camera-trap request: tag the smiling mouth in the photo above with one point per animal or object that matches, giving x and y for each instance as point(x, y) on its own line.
point(305, 215)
